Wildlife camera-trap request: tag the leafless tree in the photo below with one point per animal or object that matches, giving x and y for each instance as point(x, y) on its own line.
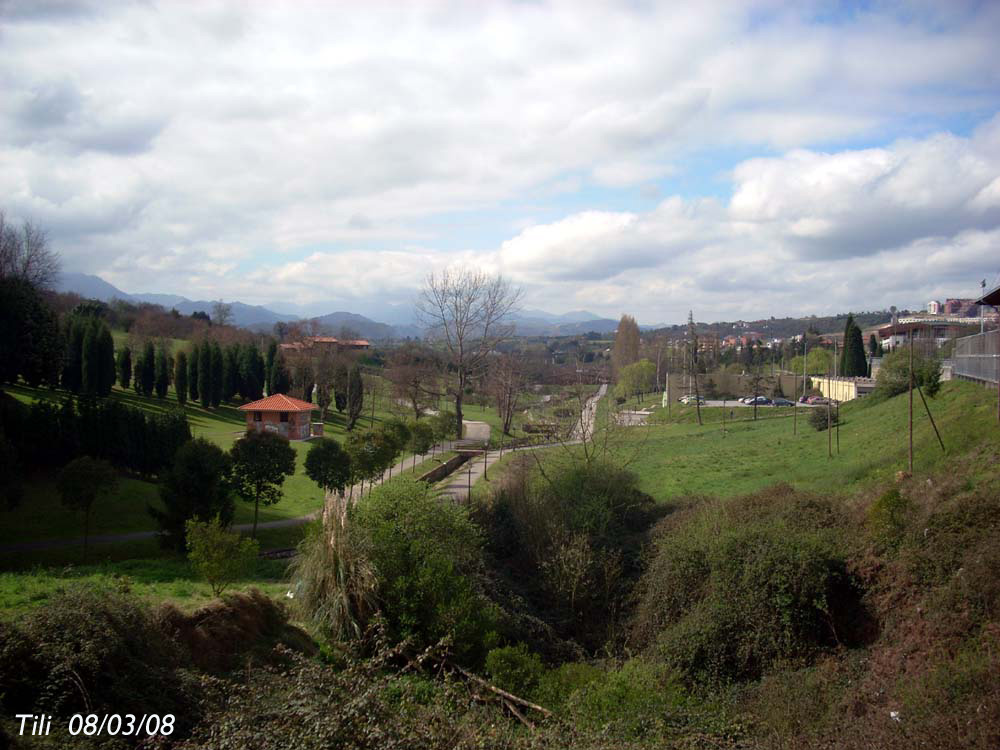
point(222, 313)
point(25, 254)
point(467, 311)
point(506, 383)
point(414, 372)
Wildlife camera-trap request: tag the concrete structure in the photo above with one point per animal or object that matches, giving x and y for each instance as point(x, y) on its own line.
point(933, 307)
point(287, 416)
point(843, 389)
point(939, 329)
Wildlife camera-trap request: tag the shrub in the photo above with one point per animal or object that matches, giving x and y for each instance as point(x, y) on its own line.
point(194, 488)
point(894, 373)
point(887, 518)
point(335, 585)
point(555, 686)
point(219, 556)
point(425, 553)
point(819, 418)
point(515, 669)
point(632, 701)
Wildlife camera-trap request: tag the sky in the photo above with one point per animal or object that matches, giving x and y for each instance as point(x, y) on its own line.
point(737, 159)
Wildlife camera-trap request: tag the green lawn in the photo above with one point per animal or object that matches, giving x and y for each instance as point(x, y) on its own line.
point(162, 579)
point(682, 458)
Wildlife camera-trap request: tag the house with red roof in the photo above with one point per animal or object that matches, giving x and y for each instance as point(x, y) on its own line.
point(287, 416)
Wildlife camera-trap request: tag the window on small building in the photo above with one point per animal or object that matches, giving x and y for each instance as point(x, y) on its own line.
point(284, 416)
point(256, 416)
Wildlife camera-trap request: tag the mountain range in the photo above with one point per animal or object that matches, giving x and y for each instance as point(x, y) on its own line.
point(402, 323)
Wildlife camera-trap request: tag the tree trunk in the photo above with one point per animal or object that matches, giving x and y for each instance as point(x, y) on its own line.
point(256, 509)
point(459, 394)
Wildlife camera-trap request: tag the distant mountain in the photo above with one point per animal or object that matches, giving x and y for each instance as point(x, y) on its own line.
point(574, 316)
point(90, 286)
point(244, 315)
point(366, 328)
point(167, 300)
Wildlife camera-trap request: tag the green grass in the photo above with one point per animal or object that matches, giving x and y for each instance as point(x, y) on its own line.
point(681, 458)
point(121, 340)
point(168, 579)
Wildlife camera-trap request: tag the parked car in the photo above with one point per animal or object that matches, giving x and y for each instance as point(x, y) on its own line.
point(817, 400)
point(691, 398)
point(759, 401)
point(782, 402)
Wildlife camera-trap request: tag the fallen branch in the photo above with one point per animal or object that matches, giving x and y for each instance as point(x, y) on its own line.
point(502, 693)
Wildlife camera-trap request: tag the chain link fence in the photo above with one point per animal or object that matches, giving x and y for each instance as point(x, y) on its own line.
point(978, 357)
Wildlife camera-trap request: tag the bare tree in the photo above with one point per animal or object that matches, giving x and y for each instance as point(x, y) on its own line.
point(25, 254)
point(506, 384)
point(222, 313)
point(414, 374)
point(466, 310)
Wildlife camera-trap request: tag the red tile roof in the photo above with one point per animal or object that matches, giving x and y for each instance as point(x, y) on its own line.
point(278, 402)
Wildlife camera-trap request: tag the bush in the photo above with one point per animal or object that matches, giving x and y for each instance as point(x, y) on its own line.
point(555, 686)
point(887, 518)
point(894, 373)
point(425, 553)
point(220, 556)
point(515, 669)
point(635, 700)
point(194, 488)
point(819, 418)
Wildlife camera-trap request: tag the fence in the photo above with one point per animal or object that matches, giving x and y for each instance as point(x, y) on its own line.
point(978, 357)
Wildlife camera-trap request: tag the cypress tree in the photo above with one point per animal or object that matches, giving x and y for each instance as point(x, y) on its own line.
point(251, 373)
point(137, 374)
point(90, 369)
point(857, 363)
point(162, 372)
point(181, 378)
point(193, 375)
point(148, 369)
point(230, 372)
point(281, 380)
point(848, 327)
point(272, 354)
point(341, 376)
point(106, 375)
point(73, 365)
point(205, 374)
point(355, 396)
point(124, 366)
point(217, 374)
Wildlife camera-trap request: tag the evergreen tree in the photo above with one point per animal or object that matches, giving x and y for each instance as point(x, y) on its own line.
point(230, 372)
point(355, 396)
point(251, 373)
point(857, 363)
point(281, 380)
point(106, 363)
point(193, 375)
point(217, 374)
point(341, 377)
point(124, 364)
point(32, 344)
point(205, 373)
point(137, 374)
point(162, 381)
point(181, 377)
point(73, 363)
point(90, 369)
point(148, 375)
point(873, 346)
point(272, 354)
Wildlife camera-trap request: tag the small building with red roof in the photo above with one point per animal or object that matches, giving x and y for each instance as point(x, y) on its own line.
point(287, 416)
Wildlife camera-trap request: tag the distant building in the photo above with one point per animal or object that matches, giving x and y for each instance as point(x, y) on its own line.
point(933, 307)
point(287, 416)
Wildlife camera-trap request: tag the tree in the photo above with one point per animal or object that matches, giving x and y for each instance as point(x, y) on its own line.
point(272, 354)
point(324, 382)
point(251, 373)
point(894, 374)
point(76, 329)
point(31, 343)
point(222, 313)
point(90, 359)
point(193, 376)
point(195, 487)
point(421, 437)
point(506, 383)
point(105, 362)
point(874, 348)
point(636, 379)
point(341, 379)
point(692, 362)
point(147, 375)
point(181, 377)
point(205, 374)
point(468, 312)
point(230, 372)
point(626, 347)
point(413, 372)
point(397, 432)
point(25, 254)
point(329, 465)
point(355, 396)
point(81, 482)
point(281, 380)
point(260, 461)
point(162, 383)
point(218, 555)
point(852, 359)
point(217, 374)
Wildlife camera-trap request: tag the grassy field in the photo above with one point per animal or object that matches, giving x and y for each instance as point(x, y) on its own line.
point(159, 579)
point(42, 517)
point(682, 458)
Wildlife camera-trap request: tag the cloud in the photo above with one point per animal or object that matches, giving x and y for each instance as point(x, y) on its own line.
point(223, 142)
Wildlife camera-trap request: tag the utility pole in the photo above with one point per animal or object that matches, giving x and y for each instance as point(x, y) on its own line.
point(910, 336)
point(805, 356)
point(982, 319)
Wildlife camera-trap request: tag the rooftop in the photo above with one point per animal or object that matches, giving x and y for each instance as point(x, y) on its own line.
point(278, 402)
